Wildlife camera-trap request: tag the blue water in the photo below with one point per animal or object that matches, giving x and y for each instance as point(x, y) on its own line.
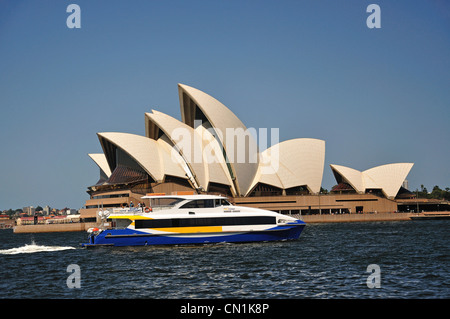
point(328, 261)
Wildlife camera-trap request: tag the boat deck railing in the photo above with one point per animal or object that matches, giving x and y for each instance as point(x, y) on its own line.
point(135, 210)
point(124, 211)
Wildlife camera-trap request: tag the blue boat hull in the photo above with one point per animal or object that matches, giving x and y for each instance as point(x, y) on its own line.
point(130, 237)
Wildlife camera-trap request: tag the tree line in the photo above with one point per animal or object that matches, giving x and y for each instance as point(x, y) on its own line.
point(436, 193)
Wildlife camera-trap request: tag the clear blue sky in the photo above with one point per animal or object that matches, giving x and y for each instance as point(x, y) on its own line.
point(311, 68)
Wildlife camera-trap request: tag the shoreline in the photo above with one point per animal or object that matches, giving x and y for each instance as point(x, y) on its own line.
point(336, 218)
point(349, 218)
point(370, 217)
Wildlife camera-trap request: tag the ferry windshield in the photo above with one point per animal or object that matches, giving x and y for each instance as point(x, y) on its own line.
point(222, 202)
point(164, 203)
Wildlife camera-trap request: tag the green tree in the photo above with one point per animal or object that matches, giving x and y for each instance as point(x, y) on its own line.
point(447, 193)
point(437, 193)
point(10, 212)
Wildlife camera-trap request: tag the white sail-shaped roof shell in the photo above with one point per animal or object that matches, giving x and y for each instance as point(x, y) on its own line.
point(183, 141)
point(102, 163)
point(388, 178)
point(212, 155)
point(244, 166)
point(293, 163)
point(154, 157)
point(191, 143)
point(302, 162)
point(351, 176)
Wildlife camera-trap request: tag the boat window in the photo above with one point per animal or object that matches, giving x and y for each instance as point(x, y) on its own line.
point(164, 203)
point(207, 221)
point(199, 203)
point(222, 202)
point(119, 223)
point(110, 196)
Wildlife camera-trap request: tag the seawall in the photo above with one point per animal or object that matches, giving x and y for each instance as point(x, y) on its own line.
point(346, 218)
point(53, 228)
point(367, 217)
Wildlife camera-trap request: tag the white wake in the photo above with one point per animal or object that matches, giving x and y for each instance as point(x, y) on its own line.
point(32, 248)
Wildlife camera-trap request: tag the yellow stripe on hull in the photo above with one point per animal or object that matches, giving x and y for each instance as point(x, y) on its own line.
point(185, 230)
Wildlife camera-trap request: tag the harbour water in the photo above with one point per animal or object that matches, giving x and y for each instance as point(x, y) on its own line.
point(328, 261)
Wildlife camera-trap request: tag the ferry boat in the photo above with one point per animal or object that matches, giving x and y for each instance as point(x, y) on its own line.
point(191, 219)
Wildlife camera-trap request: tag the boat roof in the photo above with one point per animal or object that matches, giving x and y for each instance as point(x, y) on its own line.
point(192, 197)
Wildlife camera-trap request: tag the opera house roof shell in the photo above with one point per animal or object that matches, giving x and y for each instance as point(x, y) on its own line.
point(388, 178)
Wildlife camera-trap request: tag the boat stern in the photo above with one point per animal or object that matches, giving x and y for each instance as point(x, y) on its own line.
point(95, 238)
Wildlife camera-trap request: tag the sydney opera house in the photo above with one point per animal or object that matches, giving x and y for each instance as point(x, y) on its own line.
point(211, 151)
